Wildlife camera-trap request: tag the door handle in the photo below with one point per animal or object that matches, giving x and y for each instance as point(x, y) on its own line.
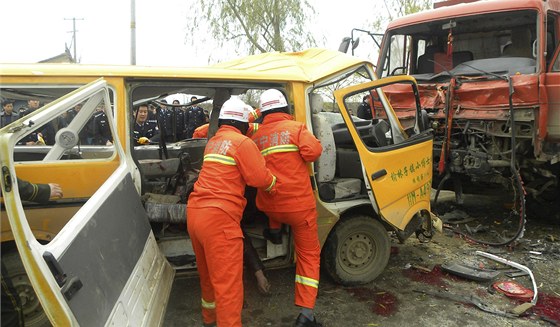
point(69, 286)
point(55, 268)
point(378, 174)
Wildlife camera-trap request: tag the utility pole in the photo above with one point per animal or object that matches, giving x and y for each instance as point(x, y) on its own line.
point(74, 35)
point(133, 32)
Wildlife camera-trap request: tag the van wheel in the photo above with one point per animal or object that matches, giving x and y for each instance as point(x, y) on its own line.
point(356, 251)
point(33, 313)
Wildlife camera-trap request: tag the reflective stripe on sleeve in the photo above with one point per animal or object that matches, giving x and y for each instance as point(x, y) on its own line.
point(271, 184)
point(35, 191)
point(220, 159)
point(279, 149)
point(307, 281)
point(207, 305)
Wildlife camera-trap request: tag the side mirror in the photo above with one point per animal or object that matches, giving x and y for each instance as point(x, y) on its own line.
point(355, 43)
point(343, 47)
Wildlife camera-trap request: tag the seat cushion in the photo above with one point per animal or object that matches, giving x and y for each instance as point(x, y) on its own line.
point(325, 166)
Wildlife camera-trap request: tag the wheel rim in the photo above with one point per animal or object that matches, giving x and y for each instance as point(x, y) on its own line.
point(357, 252)
point(32, 309)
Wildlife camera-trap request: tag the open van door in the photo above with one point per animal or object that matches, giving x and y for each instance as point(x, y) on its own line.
point(395, 151)
point(104, 266)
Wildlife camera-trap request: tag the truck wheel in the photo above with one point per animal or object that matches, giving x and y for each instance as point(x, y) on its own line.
point(33, 313)
point(356, 251)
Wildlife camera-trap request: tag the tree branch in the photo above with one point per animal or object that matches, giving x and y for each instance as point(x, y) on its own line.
point(244, 27)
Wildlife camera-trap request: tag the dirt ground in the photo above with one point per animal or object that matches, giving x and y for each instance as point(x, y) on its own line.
point(398, 296)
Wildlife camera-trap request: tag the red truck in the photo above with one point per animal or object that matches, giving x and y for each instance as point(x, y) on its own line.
point(488, 74)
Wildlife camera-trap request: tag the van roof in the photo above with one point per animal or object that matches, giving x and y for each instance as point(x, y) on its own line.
point(473, 8)
point(306, 66)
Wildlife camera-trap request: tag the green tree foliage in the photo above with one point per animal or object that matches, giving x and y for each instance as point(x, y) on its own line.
point(253, 26)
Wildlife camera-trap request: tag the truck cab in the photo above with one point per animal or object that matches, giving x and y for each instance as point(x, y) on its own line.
point(108, 251)
point(489, 80)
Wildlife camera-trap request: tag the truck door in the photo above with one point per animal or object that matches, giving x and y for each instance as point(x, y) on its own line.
point(104, 266)
point(395, 151)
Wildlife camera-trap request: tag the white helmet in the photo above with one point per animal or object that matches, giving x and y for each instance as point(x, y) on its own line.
point(272, 99)
point(235, 109)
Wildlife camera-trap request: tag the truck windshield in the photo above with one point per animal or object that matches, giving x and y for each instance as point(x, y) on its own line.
point(499, 43)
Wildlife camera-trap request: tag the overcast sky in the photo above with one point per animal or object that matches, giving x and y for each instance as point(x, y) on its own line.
point(34, 30)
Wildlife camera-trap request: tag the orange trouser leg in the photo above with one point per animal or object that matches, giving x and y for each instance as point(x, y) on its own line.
point(308, 252)
point(272, 224)
point(218, 245)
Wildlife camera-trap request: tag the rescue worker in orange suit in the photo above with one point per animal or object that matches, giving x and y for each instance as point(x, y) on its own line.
point(201, 132)
point(288, 147)
point(214, 211)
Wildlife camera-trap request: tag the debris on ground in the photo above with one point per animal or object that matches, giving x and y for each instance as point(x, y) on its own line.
point(470, 272)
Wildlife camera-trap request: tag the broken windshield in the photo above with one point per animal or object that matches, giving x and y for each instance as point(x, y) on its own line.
point(498, 43)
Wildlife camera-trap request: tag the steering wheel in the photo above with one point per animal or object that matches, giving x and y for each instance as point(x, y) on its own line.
point(403, 68)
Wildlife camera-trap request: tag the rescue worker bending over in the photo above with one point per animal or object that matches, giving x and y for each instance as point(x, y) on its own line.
point(201, 132)
point(287, 147)
point(214, 211)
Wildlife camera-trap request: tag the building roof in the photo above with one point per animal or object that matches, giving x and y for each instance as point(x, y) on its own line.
point(64, 57)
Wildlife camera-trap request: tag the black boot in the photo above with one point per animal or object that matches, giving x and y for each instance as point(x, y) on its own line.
point(303, 321)
point(213, 324)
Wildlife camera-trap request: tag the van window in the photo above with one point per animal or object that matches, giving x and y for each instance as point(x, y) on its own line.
point(79, 135)
point(93, 138)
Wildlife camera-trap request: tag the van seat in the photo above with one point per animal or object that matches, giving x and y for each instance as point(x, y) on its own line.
point(330, 187)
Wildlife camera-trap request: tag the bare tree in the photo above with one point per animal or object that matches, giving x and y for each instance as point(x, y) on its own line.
point(253, 26)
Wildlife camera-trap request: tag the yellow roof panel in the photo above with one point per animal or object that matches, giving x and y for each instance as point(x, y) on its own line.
point(308, 66)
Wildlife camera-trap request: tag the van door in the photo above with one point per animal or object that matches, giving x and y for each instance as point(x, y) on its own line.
point(395, 151)
point(104, 266)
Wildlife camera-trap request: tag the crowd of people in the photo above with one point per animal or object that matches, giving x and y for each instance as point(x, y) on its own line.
point(170, 123)
point(96, 131)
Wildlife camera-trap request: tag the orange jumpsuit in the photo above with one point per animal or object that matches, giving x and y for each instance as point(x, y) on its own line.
point(287, 147)
point(214, 211)
point(201, 132)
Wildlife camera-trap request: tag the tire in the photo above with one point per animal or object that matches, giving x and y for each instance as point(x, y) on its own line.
point(356, 251)
point(34, 316)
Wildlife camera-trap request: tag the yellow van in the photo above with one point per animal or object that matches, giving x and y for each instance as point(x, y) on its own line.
point(107, 252)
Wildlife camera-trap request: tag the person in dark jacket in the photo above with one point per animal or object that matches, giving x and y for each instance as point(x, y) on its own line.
point(194, 117)
point(173, 125)
point(364, 109)
point(144, 130)
point(8, 115)
point(12, 310)
point(40, 136)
